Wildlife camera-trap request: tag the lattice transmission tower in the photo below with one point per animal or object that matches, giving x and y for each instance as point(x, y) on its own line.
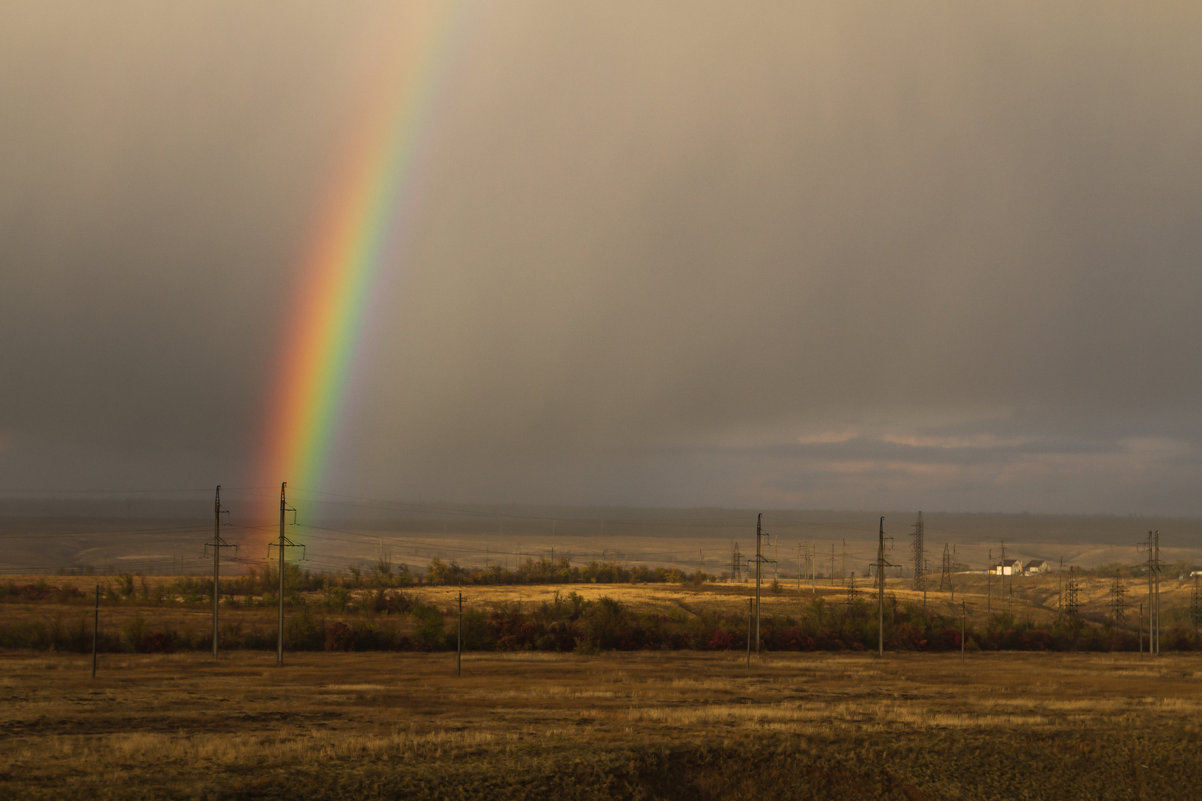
point(1154, 567)
point(945, 573)
point(919, 554)
point(880, 565)
point(1118, 600)
point(1071, 603)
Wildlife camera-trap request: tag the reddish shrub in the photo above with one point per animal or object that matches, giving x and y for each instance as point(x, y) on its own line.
point(157, 642)
point(722, 641)
point(339, 636)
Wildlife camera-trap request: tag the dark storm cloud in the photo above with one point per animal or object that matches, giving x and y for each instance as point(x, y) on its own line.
point(829, 254)
point(765, 228)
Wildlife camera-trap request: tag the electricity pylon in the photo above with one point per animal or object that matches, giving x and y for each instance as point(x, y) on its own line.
point(881, 564)
point(760, 559)
point(217, 544)
point(1153, 549)
point(283, 543)
point(1118, 600)
point(945, 575)
point(1071, 602)
point(920, 565)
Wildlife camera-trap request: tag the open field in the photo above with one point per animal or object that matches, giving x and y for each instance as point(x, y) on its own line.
point(641, 725)
point(153, 605)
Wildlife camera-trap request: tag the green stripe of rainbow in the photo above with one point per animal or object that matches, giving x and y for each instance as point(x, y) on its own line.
point(363, 221)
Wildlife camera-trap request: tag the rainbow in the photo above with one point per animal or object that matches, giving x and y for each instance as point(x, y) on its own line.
point(360, 227)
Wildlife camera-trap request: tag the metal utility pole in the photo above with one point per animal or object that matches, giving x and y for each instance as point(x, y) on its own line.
point(920, 578)
point(989, 586)
point(800, 566)
point(283, 543)
point(748, 632)
point(1153, 548)
point(759, 564)
point(1195, 608)
point(1141, 629)
point(217, 544)
point(963, 626)
point(945, 574)
point(459, 640)
point(880, 587)
point(1072, 607)
point(1060, 590)
point(1003, 567)
point(1155, 618)
point(759, 561)
point(95, 630)
point(1118, 600)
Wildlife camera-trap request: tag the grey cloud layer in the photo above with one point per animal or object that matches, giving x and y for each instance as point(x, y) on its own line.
point(649, 254)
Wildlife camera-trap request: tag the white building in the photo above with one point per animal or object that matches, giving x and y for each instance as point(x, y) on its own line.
point(1008, 567)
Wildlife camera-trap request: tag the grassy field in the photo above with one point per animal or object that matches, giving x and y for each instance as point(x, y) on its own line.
point(631, 725)
point(1028, 598)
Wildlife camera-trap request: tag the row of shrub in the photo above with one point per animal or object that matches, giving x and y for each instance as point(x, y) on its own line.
point(552, 571)
point(259, 586)
point(572, 623)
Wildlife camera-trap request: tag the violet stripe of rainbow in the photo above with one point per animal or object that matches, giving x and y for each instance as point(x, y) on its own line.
point(359, 234)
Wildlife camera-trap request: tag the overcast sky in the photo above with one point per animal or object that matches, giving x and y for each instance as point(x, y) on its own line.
point(802, 255)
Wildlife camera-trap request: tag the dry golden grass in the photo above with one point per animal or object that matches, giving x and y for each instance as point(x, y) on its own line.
point(1032, 598)
point(653, 725)
point(639, 725)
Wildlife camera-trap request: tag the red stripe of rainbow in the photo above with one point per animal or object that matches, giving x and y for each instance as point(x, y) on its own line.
point(363, 220)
